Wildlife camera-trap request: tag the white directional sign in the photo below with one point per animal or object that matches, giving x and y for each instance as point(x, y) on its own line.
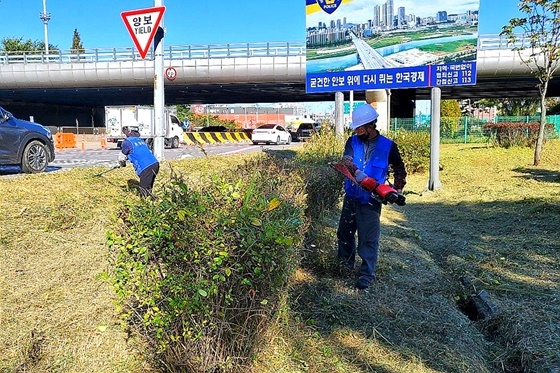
point(142, 24)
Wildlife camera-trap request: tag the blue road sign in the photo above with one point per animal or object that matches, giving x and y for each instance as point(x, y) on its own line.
point(461, 73)
point(387, 47)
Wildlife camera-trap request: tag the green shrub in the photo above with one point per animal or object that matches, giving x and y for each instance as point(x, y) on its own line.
point(415, 149)
point(323, 184)
point(201, 271)
point(508, 134)
point(324, 188)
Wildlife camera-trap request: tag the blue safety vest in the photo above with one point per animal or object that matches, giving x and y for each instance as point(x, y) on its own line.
point(141, 157)
point(377, 166)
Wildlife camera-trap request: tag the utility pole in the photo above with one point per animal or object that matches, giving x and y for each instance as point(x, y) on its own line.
point(45, 17)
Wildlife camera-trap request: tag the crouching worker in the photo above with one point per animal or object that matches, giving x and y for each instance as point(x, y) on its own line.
point(145, 163)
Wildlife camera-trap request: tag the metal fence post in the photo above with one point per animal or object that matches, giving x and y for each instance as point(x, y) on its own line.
point(466, 128)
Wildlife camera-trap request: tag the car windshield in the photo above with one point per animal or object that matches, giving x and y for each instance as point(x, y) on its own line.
point(267, 126)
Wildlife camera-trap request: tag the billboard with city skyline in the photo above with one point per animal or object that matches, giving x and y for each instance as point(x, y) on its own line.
point(377, 44)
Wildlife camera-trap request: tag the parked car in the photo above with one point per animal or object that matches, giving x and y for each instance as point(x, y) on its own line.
point(25, 144)
point(271, 134)
point(306, 130)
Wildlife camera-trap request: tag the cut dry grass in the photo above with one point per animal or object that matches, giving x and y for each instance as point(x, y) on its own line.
point(494, 223)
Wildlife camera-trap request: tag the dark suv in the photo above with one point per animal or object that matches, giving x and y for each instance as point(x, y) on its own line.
point(25, 144)
point(306, 130)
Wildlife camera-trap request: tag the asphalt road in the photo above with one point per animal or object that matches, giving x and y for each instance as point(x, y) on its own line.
point(71, 158)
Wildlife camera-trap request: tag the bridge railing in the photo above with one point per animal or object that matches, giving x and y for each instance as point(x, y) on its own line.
point(195, 51)
point(182, 52)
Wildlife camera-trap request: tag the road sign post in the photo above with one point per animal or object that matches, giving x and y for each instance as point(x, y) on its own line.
point(143, 26)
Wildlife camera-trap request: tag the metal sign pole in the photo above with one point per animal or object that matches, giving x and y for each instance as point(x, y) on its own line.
point(433, 182)
point(339, 113)
point(159, 91)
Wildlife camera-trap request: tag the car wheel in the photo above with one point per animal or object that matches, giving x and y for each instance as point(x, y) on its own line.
point(175, 142)
point(35, 157)
point(278, 140)
point(289, 140)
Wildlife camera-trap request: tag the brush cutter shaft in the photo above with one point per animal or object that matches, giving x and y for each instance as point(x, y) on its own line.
point(109, 170)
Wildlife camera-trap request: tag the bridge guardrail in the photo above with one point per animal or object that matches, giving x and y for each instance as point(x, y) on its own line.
point(194, 51)
point(182, 52)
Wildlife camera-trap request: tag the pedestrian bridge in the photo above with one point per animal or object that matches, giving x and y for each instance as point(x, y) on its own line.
point(216, 73)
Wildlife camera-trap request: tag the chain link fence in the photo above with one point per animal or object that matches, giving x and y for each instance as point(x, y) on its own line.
point(466, 129)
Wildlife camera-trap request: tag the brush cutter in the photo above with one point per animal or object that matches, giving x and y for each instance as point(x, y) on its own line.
point(384, 193)
point(109, 170)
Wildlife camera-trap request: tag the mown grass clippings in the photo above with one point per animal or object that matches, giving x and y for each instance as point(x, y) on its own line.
point(55, 314)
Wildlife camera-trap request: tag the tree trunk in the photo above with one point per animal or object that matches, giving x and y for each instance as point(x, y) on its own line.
point(540, 137)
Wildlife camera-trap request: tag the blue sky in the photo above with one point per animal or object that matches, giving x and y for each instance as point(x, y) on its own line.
point(187, 22)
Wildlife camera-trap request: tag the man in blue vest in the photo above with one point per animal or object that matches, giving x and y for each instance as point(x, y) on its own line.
point(367, 154)
point(137, 152)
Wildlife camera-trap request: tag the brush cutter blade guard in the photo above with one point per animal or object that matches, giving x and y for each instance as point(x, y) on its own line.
point(341, 168)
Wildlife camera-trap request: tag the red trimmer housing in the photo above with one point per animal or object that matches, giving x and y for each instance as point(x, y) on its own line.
point(384, 192)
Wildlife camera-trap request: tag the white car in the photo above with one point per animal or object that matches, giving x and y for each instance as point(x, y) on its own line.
point(271, 134)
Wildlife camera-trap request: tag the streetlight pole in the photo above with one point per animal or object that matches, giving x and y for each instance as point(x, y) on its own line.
point(45, 17)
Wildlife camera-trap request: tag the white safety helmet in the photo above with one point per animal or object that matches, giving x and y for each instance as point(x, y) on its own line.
point(363, 114)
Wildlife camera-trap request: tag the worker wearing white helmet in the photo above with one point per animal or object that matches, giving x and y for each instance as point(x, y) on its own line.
point(367, 154)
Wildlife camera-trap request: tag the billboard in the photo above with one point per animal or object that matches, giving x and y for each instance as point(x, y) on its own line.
point(378, 44)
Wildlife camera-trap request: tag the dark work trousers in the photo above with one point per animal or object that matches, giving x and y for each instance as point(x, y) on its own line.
point(365, 219)
point(147, 178)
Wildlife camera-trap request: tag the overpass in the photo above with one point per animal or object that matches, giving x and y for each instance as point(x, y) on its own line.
point(220, 73)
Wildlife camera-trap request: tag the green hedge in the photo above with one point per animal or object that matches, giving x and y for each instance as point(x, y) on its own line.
point(508, 134)
point(201, 271)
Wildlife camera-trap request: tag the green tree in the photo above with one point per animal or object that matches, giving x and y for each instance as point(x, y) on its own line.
point(540, 49)
point(20, 45)
point(511, 106)
point(77, 46)
point(450, 112)
point(450, 108)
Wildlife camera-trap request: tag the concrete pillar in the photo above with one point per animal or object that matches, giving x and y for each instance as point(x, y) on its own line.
point(381, 100)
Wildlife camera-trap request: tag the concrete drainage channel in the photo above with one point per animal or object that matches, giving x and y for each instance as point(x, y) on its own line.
point(479, 308)
point(476, 306)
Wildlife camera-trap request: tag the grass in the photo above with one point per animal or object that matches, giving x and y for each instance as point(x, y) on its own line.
point(494, 224)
